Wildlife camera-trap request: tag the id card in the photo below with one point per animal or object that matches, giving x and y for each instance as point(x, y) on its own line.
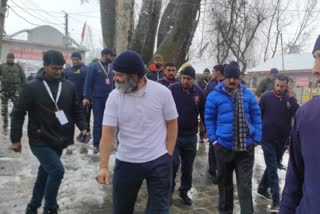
point(61, 117)
point(107, 81)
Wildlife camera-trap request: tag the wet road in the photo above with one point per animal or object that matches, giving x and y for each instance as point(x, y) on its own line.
point(79, 192)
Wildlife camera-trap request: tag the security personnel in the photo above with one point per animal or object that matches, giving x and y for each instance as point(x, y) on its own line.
point(98, 85)
point(12, 76)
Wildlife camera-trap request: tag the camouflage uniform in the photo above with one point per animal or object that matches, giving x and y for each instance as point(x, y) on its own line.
point(11, 76)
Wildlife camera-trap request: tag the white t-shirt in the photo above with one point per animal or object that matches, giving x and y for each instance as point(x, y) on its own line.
point(141, 119)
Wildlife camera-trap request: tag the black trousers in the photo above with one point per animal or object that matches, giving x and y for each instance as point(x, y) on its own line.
point(212, 161)
point(242, 163)
point(184, 153)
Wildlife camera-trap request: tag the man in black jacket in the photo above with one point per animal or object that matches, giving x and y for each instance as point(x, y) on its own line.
point(190, 101)
point(53, 109)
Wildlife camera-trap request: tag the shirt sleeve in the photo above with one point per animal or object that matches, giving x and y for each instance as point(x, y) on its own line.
point(110, 116)
point(169, 107)
point(293, 189)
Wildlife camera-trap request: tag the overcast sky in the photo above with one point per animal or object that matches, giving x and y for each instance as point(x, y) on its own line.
point(44, 12)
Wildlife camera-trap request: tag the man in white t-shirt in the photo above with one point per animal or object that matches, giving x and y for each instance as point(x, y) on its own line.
point(145, 114)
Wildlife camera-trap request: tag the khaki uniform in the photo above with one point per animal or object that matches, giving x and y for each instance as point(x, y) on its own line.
point(12, 77)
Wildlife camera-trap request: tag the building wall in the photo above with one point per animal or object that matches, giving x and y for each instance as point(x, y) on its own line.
point(46, 35)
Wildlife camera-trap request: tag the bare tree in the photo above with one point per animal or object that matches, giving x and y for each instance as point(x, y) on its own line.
point(237, 22)
point(176, 44)
point(108, 22)
point(124, 25)
point(145, 33)
point(305, 21)
point(3, 9)
point(167, 21)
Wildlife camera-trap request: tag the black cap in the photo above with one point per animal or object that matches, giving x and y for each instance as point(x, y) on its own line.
point(129, 62)
point(316, 45)
point(107, 51)
point(232, 70)
point(189, 71)
point(274, 71)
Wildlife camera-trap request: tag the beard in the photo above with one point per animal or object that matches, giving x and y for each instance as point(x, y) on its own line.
point(158, 65)
point(128, 86)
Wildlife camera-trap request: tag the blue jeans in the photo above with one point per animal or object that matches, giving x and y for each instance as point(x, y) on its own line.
point(184, 152)
point(270, 175)
point(127, 180)
point(98, 105)
point(50, 174)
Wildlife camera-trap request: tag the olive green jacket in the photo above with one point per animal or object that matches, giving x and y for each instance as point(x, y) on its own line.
point(12, 73)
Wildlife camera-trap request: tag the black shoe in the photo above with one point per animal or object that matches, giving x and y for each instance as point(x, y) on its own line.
point(184, 196)
point(266, 195)
point(281, 166)
point(50, 210)
point(31, 209)
point(275, 208)
point(96, 150)
point(215, 180)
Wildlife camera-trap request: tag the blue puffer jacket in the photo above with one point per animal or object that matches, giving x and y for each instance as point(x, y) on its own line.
point(219, 116)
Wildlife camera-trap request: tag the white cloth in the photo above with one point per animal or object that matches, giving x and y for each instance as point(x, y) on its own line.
point(141, 118)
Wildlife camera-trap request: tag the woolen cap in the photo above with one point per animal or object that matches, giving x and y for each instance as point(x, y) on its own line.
point(107, 51)
point(129, 62)
point(232, 70)
point(76, 54)
point(189, 71)
point(274, 71)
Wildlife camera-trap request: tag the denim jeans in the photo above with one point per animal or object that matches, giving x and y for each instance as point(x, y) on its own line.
point(270, 175)
point(242, 163)
point(50, 174)
point(184, 152)
point(128, 178)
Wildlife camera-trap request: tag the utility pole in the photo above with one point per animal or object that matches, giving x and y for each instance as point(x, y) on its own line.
point(67, 40)
point(282, 52)
point(3, 10)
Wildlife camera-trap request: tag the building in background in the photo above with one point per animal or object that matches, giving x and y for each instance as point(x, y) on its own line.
point(28, 52)
point(298, 66)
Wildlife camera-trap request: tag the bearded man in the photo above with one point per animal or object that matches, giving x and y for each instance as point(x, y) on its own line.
point(145, 115)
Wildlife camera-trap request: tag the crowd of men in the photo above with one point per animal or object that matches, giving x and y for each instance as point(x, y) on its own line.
point(153, 115)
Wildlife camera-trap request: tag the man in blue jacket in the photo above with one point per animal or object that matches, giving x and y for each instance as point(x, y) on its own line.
point(98, 85)
point(302, 187)
point(190, 101)
point(77, 74)
point(233, 122)
point(277, 110)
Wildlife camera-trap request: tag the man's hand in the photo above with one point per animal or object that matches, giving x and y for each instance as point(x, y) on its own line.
point(103, 176)
point(16, 147)
point(85, 102)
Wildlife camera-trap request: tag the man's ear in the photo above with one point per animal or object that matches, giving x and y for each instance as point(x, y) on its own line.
point(316, 66)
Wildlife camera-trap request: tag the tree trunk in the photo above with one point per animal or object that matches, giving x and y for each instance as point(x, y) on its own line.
point(145, 33)
point(176, 44)
point(124, 24)
point(108, 20)
point(167, 21)
point(3, 9)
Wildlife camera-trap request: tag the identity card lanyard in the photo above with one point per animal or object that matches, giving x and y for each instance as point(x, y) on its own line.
point(50, 93)
point(59, 113)
point(106, 72)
